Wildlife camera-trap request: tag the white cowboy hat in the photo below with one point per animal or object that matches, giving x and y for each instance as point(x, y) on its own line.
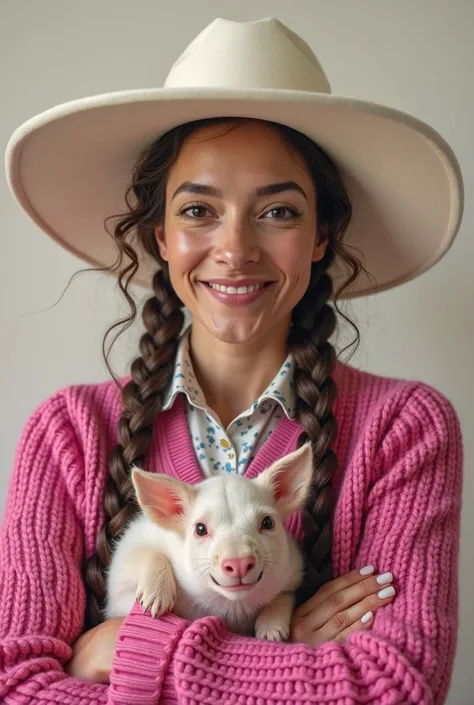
point(69, 167)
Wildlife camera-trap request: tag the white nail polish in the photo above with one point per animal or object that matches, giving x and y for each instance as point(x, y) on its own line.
point(367, 570)
point(386, 592)
point(367, 617)
point(384, 578)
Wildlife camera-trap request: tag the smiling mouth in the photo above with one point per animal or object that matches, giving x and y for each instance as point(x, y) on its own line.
point(238, 290)
point(239, 586)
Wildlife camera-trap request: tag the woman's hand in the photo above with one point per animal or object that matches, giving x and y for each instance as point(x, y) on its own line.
point(337, 609)
point(93, 652)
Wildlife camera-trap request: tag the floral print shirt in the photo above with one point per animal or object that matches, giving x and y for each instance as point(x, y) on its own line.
point(231, 449)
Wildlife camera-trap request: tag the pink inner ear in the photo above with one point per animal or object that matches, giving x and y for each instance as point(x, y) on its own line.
point(172, 504)
point(280, 486)
point(160, 496)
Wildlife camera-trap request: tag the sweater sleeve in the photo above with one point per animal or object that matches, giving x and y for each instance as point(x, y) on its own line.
point(411, 527)
point(41, 543)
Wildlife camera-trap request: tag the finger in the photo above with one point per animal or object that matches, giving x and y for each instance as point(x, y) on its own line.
point(338, 602)
point(366, 621)
point(358, 626)
point(371, 604)
point(322, 636)
point(352, 619)
point(354, 577)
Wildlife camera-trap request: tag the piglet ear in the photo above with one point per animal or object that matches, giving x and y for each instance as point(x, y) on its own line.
point(163, 499)
point(289, 480)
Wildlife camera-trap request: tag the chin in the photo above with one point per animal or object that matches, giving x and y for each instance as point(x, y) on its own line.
point(236, 331)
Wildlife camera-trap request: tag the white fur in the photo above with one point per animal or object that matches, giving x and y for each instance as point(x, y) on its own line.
point(160, 560)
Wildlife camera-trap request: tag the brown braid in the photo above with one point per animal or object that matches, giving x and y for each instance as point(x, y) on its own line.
point(315, 391)
point(313, 323)
point(142, 401)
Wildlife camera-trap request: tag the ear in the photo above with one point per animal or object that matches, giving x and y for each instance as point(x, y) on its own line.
point(320, 244)
point(289, 480)
point(163, 499)
point(161, 241)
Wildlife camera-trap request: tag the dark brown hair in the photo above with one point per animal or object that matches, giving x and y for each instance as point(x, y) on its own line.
point(313, 323)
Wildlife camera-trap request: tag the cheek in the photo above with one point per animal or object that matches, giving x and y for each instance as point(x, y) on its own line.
point(185, 251)
point(271, 540)
point(293, 256)
point(198, 552)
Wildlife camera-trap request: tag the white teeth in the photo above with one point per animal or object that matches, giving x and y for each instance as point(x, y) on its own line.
point(236, 290)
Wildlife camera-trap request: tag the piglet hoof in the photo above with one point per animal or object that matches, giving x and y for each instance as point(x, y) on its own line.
point(156, 590)
point(272, 632)
point(273, 622)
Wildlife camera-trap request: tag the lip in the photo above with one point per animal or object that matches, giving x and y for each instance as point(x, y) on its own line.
point(240, 586)
point(237, 282)
point(236, 300)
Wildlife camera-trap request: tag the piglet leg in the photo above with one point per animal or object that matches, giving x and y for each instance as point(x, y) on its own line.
point(156, 589)
point(274, 620)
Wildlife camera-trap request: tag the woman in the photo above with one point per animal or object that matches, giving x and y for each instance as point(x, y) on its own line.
point(242, 220)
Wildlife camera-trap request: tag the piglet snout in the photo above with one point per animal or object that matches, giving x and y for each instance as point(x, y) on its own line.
point(238, 567)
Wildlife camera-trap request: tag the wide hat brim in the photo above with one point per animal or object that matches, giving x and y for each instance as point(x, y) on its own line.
point(69, 168)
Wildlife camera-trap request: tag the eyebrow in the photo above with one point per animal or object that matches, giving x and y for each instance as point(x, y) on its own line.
point(268, 190)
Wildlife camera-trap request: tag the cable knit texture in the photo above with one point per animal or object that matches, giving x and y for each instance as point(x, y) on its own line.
point(398, 491)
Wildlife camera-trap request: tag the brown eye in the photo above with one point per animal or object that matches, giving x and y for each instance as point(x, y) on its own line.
point(267, 523)
point(198, 211)
point(195, 211)
point(200, 529)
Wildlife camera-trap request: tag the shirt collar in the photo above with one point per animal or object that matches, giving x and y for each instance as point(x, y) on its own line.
point(184, 382)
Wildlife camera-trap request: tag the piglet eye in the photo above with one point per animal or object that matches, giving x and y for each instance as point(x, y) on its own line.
point(267, 523)
point(200, 529)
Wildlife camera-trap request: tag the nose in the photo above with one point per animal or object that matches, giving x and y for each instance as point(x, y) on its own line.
point(236, 246)
point(238, 567)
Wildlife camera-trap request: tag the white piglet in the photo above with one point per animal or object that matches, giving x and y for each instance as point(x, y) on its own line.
point(216, 548)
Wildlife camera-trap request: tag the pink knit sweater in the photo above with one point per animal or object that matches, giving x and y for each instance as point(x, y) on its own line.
point(398, 508)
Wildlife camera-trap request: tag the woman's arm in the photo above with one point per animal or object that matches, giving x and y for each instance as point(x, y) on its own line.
point(411, 524)
point(41, 549)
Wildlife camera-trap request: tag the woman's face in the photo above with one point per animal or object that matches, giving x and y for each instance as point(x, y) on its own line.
point(240, 231)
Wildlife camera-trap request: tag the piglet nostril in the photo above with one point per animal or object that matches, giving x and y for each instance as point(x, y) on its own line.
point(238, 567)
point(246, 564)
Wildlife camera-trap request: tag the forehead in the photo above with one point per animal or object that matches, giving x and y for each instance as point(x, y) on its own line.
point(229, 498)
point(242, 157)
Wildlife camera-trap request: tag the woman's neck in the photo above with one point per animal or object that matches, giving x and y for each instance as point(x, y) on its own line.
point(232, 376)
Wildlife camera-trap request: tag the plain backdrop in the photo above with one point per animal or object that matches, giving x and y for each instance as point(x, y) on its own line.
point(415, 55)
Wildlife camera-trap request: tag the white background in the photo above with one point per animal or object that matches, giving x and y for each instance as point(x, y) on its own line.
point(417, 56)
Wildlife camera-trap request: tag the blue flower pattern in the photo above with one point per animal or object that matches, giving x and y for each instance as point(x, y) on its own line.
point(232, 449)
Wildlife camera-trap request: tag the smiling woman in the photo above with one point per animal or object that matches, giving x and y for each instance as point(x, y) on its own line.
point(248, 224)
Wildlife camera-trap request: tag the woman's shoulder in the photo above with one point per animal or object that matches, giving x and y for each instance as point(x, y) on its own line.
point(87, 409)
point(393, 425)
point(365, 398)
point(75, 399)
point(65, 441)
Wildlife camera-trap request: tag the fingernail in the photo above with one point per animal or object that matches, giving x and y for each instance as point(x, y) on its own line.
point(367, 570)
point(385, 578)
point(367, 617)
point(386, 592)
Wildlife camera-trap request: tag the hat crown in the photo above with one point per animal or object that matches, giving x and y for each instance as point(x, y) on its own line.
point(264, 54)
